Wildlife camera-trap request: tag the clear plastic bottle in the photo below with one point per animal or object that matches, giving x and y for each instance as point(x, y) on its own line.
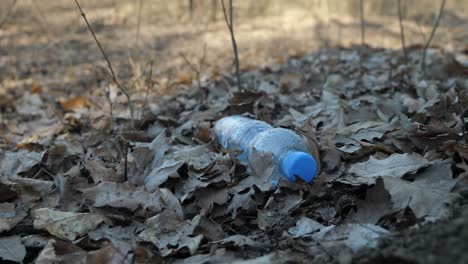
point(236, 133)
point(290, 155)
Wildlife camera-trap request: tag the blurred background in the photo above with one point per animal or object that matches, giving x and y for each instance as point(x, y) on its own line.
point(47, 42)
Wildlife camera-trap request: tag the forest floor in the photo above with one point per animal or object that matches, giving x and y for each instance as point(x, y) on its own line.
point(82, 180)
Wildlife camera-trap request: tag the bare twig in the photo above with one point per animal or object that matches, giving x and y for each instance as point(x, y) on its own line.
point(111, 113)
point(138, 75)
point(465, 135)
point(149, 84)
point(126, 161)
point(8, 13)
point(230, 25)
point(327, 4)
point(462, 119)
point(402, 32)
point(191, 8)
point(363, 34)
point(109, 65)
point(363, 27)
point(137, 38)
point(198, 69)
point(434, 29)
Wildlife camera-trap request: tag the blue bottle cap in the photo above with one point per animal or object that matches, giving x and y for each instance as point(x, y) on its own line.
point(299, 164)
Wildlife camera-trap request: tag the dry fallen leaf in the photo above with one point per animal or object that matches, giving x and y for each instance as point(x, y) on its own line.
point(428, 195)
point(355, 236)
point(198, 158)
point(65, 225)
point(166, 192)
point(99, 172)
point(241, 241)
point(57, 251)
point(31, 190)
point(169, 233)
point(112, 253)
point(36, 88)
point(114, 234)
point(305, 226)
point(184, 79)
point(278, 209)
point(21, 162)
point(396, 165)
point(124, 195)
point(290, 81)
point(10, 216)
point(376, 204)
point(12, 249)
point(74, 103)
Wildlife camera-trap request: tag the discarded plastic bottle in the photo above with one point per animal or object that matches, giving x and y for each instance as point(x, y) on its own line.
point(291, 157)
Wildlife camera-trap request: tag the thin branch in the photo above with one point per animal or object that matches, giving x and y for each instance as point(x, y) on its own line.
point(191, 8)
point(194, 69)
point(149, 84)
point(434, 29)
point(197, 69)
point(327, 4)
point(363, 35)
point(462, 111)
point(230, 25)
point(126, 161)
point(402, 31)
point(111, 112)
point(8, 13)
point(363, 27)
point(109, 65)
point(202, 59)
point(140, 74)
point(191, 66)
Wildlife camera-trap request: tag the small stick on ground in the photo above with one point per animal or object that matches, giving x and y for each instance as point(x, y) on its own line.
point(109, 65)
point(402, 31)
point(230, 25)
point(429, 40)
point(8, 13)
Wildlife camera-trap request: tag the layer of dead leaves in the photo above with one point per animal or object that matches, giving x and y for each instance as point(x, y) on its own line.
point(77, 185)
